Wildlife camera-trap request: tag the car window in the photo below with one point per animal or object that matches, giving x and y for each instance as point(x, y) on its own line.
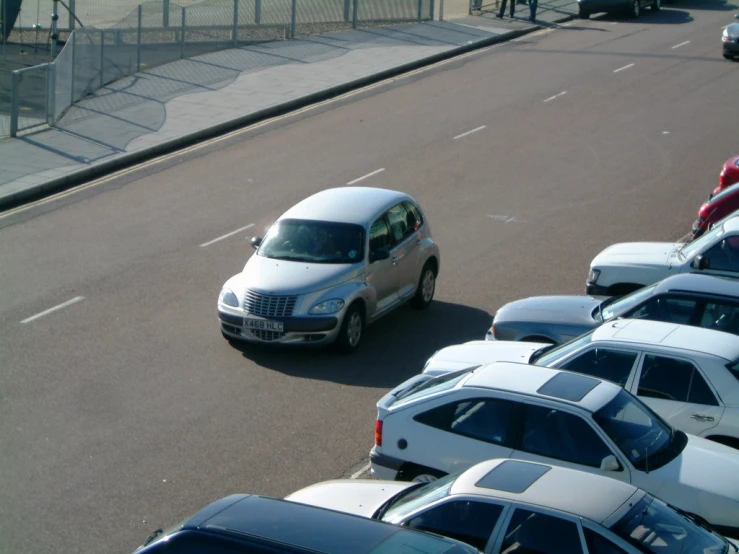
point(724, 255)
point(671, 379)
point(604, 363)
point(398, 217)
point(379, 235)
point(485, 419)
point(562, 436)
point(532, 532)
point(598, 544)
point(722, 316)
point(668, 309)
point(464, 520)
point(414, 219)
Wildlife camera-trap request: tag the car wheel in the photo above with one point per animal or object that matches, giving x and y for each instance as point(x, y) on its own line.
point(538, 339)
point(425, 289)
point(727, 56)
point(419, 474)
point(584, 15)
point(635, 9)
point(351, 330)
point(657, 6)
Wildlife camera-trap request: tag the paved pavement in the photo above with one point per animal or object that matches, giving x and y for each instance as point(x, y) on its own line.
point(169, 106)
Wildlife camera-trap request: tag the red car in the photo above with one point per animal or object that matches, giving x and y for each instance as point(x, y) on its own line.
point(729, 175)
point(718, 206)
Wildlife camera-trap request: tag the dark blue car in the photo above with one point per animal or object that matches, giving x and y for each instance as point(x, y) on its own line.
point(244, 523)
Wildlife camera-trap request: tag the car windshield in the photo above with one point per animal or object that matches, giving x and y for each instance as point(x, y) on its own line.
point(433, 385)
point(702, 243)
point(653, 526)
point(617, 306)
point(314, 242)
point(645, 439)
point(546, 356)
point(413, 498)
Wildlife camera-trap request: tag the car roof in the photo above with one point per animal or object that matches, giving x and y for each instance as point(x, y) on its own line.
point(717, 285)
point(358, 205)
point(590, 393)
point(671, 335)
point(545, 485)
point(308, 527)
point(731, 224)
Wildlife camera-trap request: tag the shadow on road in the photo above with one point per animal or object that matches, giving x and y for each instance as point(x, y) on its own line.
point(715, 5)
point(392, 350)
point(671, 16)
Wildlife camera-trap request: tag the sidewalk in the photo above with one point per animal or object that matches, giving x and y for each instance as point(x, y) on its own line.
point(170, 106)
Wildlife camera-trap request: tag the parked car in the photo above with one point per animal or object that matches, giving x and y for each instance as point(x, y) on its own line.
point(715, 208)
point(730, 172)
point(329, 266)
point(251, 524)
point(688, 298)
point(632, 8)
point(429, 427)
point(515, 505)
point(625, 267)
point(730, 40)
point(689, 376)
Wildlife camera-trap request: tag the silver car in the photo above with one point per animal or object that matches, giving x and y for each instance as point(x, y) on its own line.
point(329, 266)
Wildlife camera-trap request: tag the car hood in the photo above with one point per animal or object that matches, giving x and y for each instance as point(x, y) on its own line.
point(476, 353)
point(551, 309)
point(637, 253)
point(270, 276)
point(362, 497)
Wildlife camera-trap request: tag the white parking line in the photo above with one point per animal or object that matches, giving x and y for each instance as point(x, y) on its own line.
point(624, 67)
point(55, 308)
point(556, 96)
point(681, 44)
point(232, 233)
point(363, 177)
point(480, 128)
point(356, 474)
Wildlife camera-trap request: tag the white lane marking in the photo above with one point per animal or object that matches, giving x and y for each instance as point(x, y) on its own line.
point(556, 96)
point(356, 474)
point(363, 177)
point(681, 44)
point(624, 67)
point(55, 308)
point(232, 233)
point(480, 128)
point(506, 219)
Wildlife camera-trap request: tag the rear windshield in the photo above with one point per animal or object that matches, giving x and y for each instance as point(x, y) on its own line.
point(434, 385)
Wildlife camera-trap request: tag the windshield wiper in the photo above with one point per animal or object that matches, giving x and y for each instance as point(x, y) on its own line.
point(701, 522)
point(153, 536)
point(392, 500)
point(539, 353)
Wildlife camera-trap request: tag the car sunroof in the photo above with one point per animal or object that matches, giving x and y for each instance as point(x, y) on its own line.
point(513, 476)
point(568, 386)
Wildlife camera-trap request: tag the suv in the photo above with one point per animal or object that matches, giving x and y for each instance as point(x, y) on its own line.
point(329, 266)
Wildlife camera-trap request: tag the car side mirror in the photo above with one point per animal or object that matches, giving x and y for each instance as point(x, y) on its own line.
point(699, 262)
point(610, 463)
point(378, 255)
point(255, 242)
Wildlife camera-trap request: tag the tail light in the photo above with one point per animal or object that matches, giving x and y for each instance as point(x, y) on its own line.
point(378, 433)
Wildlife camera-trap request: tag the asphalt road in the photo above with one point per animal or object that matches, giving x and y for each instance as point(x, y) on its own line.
point(126, 411)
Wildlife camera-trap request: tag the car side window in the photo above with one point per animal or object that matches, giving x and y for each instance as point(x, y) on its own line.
point(414, 219)
point(486, 419)
point(671, 379)
point(598, 544)
point(721, 316)
point(604, 363)
point(562, 436)
point(379, 236)
point(668, 309)
point(724, 255)
point(533, 532)
point(464, 520)
point(398, 217)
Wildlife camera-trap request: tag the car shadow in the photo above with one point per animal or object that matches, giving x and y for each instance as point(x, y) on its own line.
point(669, 16)
point(715, 5)
point(392, 350)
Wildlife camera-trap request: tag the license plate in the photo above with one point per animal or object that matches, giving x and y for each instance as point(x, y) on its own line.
point(264, 325)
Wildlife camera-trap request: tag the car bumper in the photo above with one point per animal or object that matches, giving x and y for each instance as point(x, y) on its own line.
point(594, 6)
point(296, 329)
point(596, 290)
point(731, 48)
point(384, 467)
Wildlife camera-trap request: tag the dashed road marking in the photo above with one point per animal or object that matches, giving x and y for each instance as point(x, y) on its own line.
point(624, 67)
point(475, 130)
point(363, 177)
point(681, 44)
point(358, 473)
point(55, 308)
point(555, 96)
point(232, 233)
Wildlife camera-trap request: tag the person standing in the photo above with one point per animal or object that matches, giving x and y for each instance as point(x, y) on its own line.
point(533, 4)
point(502, 8)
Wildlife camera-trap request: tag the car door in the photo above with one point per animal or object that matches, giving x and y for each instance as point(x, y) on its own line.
point(405, 250)
point(382, 274)
point(677, 390)
point(550, 434)
point(538, 530)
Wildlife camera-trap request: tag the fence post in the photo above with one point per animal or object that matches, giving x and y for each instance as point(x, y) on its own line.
point(236, 22)
point(15, 79)
point(74, 51)
point(54, 28)
point(441, 10)
point(165, 13)
point(138, 41)
point(431, 10)
point(257, 11)
point(420, 9)
point(354, 14)
point(346, 9)
point(182, 34)
point(51, 105)
point(102, 56)
point(4, 16)
point(71, 15)
point(293, 21)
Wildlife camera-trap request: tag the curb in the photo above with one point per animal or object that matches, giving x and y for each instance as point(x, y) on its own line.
point(59, 184)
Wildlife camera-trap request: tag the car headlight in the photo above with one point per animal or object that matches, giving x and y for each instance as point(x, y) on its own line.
point(593, 276)
point(327, 307)
point(726, 37)
point(228, 298)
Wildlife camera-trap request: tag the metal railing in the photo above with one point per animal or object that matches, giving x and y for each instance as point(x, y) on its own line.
point(161, 32)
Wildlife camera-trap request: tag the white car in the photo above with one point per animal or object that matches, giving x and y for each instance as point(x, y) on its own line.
point(626, 267)
point(505, 506)
point(688, 375)
point(428, 428)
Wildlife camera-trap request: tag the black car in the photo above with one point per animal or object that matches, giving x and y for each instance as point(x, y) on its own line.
point(247, 523)
point(632, 8)
point(730, 40)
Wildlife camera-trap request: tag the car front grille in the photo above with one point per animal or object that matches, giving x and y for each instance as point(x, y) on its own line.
point(265, 305)
point(267, 335)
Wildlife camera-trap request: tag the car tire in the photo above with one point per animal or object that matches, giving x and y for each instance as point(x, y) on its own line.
point(635, 9)
point(352, 329)
point(728, 57)
point(584, 15)
point(425, 289)
point(534, 338)
point(419, 474)
point(657, 6)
